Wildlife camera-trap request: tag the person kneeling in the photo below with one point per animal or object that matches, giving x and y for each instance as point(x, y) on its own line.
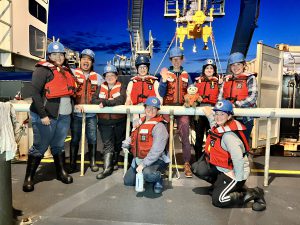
point(225, 163)
point(148, 141)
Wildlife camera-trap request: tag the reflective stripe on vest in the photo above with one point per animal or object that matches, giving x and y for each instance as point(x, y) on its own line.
point(235, 87)
point(176, 88)
point(62, 84)
point(218, 156)
point(85, 87)
point(142, 138)
point(142, 88)
point(208, 89)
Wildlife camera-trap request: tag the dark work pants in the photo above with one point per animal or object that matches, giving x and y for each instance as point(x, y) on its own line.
point(222, 184)
point(112, 136)
point(201, 126)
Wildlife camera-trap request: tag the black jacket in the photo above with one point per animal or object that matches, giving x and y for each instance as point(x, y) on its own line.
point(40, 105)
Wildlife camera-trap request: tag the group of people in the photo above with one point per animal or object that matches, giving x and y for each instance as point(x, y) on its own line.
point(224, 160)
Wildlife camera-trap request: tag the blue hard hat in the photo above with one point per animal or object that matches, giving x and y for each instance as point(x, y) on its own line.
point(236, 57)
point(110, 69)
point(176, 52)
point(55, 46)
point(153, 101)
point(88, 52)
point(224, 106)
point(142, 60)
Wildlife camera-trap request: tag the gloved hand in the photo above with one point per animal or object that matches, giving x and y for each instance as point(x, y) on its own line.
point(126, 143)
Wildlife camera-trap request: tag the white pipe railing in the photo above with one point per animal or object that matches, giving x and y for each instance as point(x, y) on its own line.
point(180, 110)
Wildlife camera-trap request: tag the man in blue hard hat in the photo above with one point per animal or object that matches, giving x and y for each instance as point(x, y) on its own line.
point(173, 87)
point(87, 83)
point(147, 142)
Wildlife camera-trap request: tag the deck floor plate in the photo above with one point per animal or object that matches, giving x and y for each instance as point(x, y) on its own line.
point(185, 201)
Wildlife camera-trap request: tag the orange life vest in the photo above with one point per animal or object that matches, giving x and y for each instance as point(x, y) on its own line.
point(62, 84)
point(142, 88)
point(215, 154)
point(235, 87)
point(85, 87)
point(208, 89)
point(106, 93)
point(141, 136)
point(176, 88)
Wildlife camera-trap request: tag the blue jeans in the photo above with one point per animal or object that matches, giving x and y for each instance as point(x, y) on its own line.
point(90, 130)
point(53, 135)
point(151, 173)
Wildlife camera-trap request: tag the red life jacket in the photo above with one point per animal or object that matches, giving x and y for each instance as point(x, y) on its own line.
point(235, 87)
point(85, 87)
point(208, 89)
point(106, 93)
point(215, 154)
point(176, 88)
point(62, 84)
point(142, 88)
point(141, 136)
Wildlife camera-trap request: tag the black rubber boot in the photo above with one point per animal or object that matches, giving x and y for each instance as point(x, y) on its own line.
point(115, 160)
point(258, 197)
point(237, 198)
point(32, 165)
point(73, 157)
point(62, 175)
point(108, 167)
point(92, 152)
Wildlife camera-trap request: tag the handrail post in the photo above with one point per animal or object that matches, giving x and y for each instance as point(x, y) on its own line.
point(127, 135)
point(82, 144)
point(267, 153)
point(171, 143)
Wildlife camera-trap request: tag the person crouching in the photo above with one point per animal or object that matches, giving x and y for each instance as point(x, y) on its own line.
point(148, 141)
point(225, 163)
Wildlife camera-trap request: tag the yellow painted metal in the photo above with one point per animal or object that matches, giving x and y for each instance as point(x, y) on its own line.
point(206, 32)
point(289, 172)
point(194, 28)
point(199, 18)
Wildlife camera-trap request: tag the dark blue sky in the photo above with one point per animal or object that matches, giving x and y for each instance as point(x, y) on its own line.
point(102, 26)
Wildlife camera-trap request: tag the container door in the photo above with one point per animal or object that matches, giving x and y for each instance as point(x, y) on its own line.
point(269, 67)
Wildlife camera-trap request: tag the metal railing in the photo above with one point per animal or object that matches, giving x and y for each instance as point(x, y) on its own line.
point(268, 113)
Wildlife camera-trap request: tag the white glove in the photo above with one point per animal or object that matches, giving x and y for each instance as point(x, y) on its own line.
point(126, 143)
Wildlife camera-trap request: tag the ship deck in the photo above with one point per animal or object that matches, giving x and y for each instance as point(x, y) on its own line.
point(184, 201)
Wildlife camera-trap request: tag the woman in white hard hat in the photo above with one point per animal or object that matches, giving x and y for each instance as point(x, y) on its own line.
point(208, 89)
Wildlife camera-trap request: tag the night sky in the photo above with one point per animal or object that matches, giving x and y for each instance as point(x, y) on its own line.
point(102, 27)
